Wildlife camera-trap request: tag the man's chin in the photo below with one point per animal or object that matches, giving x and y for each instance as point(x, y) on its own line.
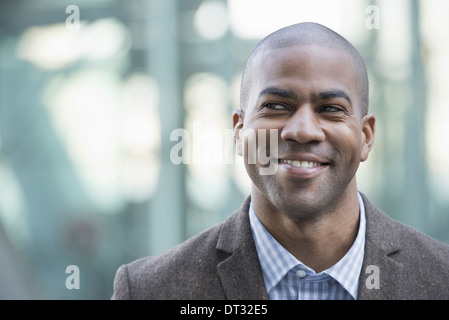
point(302, 207)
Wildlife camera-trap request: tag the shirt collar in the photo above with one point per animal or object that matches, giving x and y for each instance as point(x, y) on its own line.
point(276, 261)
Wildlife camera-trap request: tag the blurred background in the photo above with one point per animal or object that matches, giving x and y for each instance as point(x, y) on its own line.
point(97, 97)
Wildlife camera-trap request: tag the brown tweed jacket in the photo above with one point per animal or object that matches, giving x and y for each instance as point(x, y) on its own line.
point(222, 263)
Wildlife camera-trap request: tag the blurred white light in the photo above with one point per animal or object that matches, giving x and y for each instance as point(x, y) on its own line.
point(139, 178)
point(50, 47)
point(111, 132)
point(140, 134)
point(394, 39)
point(434, 27)
point(141, 126)
point(208, 123)
point(84, 109)
point(206, 92)
point(105, 38)
point(140, 138)
point(257, 18)
point(254, 19)
point(211, 19)
point(55, 46)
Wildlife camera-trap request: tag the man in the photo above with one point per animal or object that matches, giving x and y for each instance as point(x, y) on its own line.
point(305, 232)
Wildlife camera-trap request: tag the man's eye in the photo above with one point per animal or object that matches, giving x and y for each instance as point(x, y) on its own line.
point(331, 109)
point(275, 106)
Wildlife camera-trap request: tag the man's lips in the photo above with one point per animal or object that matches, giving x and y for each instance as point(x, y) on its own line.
point(303, 160)
point(303, 163)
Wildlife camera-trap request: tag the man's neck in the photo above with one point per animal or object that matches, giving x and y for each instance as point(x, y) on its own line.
point(318, 243)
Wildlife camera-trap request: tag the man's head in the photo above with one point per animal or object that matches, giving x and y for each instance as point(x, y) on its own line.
point(306, 34)
point(310, 85)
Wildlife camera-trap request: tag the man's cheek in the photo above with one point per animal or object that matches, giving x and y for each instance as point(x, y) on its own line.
point(261, 149)
point(268, 152)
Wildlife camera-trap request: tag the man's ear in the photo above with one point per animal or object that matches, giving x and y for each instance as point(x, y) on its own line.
point(237, 120)
point(368, 130)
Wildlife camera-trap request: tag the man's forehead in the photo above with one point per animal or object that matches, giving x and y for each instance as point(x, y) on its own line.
point(308, 62)
point(300, 51)
point(303, 71)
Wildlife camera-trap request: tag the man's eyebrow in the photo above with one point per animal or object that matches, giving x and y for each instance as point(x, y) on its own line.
point(278, 92)
point(325, 95)
point(332, 94)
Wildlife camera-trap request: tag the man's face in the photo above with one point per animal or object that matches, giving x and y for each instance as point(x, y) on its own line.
point(309, 94)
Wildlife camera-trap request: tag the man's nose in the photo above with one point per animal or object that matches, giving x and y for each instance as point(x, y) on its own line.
point(303, 126)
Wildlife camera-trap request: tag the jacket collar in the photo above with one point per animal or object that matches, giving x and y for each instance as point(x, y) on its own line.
point(381, 245)
point(240, 273)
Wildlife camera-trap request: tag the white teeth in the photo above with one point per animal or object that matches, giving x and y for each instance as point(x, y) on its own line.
point(301, 164)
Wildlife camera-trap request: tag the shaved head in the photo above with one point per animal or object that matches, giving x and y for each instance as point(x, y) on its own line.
point(307, 34)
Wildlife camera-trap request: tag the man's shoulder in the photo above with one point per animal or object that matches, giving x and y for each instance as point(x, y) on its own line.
point(393, 233)
point(412, 264)
point(421, 248)
point(170, 274)
point(188, 270)
point(187, 252)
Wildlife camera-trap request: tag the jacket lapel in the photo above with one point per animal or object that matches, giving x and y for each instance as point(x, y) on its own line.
point(240, 272)
point(378, 263)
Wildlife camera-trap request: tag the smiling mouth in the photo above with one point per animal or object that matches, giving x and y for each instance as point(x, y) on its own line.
point(303, 164)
